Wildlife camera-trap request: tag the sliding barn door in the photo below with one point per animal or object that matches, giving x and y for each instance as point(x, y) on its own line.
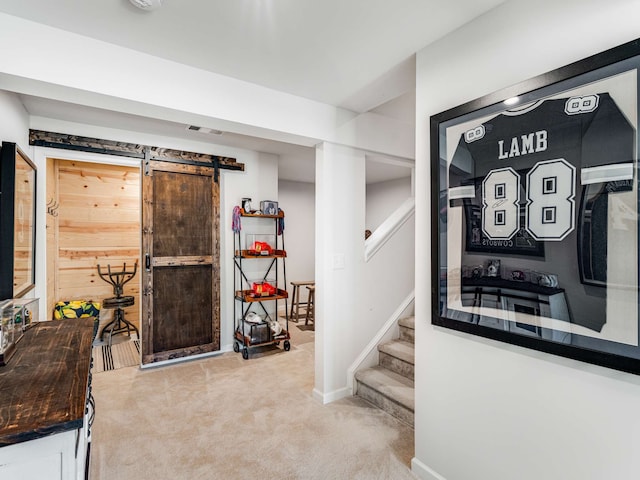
point(181, 256)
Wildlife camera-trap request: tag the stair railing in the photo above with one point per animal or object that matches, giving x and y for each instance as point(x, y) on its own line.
point(389, 227)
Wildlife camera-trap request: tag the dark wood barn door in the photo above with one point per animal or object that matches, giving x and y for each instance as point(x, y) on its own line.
point(181, 254)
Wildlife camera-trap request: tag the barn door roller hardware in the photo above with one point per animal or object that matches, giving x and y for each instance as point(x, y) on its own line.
point(64, 141)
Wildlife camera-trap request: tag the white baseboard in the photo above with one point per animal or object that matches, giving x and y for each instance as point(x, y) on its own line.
point(325, 398)
point(424, 472)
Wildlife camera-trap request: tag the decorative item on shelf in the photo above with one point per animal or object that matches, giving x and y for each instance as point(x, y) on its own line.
point(263, 289)
point(260, 248)
point(493, 268)
point(246, 205)
point(253, 317)
point(269, 207)
point(547, 280)
point(261, 243)
point(26, 312)
point(275, 327)
point(518, 275)
point(7, 331)
point(19, 320)
point(254, 332)
point(477, 271)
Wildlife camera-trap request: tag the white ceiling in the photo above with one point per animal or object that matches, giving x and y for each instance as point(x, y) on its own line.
point(355, 54)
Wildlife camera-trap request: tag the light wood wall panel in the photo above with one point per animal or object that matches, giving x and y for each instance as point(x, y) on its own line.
point(52, 235)
point(98, 223)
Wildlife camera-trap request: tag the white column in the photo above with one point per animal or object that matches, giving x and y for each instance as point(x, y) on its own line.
point(340, 215)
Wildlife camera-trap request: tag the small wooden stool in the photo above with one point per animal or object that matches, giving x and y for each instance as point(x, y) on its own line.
point(295, 299)
point(310, 307)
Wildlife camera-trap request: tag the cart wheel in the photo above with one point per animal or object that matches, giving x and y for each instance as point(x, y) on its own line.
point(245, 353)
point(236, 347)
point(287, 345)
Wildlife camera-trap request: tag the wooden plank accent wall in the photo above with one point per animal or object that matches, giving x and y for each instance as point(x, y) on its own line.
point(98, 223)
point(52, 234)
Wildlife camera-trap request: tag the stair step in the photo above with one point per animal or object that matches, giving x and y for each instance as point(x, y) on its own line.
point(388, 390)
point(400, 349)
point(409, 322)
point(407, 329)
point(398, 356)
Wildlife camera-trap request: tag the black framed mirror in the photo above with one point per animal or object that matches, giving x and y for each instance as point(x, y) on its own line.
point(17, 222)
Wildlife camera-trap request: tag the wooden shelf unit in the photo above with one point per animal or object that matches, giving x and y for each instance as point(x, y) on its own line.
point(248, 254)
point(248, 335)
point(248, 296)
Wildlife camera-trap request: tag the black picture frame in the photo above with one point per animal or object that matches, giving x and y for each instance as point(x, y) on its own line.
point(18, 175)
point(574, 293)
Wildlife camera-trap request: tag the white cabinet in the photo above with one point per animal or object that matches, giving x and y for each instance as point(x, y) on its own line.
point(49, 458)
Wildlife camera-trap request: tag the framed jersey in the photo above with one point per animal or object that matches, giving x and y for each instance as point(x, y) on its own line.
point(535, 212)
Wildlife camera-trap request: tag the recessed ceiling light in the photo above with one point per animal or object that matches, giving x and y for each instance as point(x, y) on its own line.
point(147, 4)
point(511, 101)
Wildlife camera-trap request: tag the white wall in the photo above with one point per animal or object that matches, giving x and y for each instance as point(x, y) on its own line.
point(14, 121)
point(297, 199)
point(390, 273)
point(341, 330)
point(485, 409)
point(383, 198)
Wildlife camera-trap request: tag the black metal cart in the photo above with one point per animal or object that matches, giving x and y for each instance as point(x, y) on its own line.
point(255, 325)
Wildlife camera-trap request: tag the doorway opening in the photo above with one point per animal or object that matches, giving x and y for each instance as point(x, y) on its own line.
point(93, 219)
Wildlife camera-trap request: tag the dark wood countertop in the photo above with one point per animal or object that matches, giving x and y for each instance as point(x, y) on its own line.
point(43, 389)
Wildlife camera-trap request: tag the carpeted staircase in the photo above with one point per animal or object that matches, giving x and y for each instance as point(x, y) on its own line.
point(389, 385)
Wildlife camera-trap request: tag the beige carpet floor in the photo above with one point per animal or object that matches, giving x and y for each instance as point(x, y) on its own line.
point(228, 418)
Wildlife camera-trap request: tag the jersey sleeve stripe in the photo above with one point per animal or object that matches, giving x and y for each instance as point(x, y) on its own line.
point(465, 191)
point(606, 173)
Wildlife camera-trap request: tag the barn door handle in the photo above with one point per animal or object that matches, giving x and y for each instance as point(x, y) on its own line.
point(147, 262)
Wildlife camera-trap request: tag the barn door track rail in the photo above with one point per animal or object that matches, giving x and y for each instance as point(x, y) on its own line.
point(41, 138)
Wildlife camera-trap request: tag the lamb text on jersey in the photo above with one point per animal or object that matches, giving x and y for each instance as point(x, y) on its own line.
point(524, 144)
